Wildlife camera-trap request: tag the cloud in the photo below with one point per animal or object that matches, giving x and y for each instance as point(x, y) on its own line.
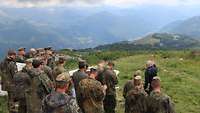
point(120, 3)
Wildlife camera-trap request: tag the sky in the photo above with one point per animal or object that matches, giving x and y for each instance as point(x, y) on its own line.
point(93, 3)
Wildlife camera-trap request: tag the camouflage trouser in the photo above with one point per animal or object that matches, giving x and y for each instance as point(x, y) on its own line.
point(12, 104)
point(110, 103)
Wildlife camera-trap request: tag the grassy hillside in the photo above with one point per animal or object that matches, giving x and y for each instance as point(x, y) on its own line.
point(178, 70)
point(180, 78)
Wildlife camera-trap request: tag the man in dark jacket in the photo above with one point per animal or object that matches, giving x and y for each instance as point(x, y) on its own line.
point(150, 72)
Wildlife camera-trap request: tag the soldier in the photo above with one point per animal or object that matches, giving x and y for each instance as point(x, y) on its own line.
point(92, 92)
point(51, 61)
point(150, 72)
point(47, 69)
point(101, 69)
point(111, 81)
point(130, 84)
point(8, 69)
point(41, 86)
point(58, 101)
point(22, 83)
point(136, 98)
point(31, 54)
point(77, 77)
point(158, 101)
point(21, 55)
point(60, 67)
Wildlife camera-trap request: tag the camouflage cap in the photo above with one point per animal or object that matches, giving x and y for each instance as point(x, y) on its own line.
point(29, 60)
point(138, 73)
point(21, 49)
point(138, 77)
point(63, 77)
point(156, 78)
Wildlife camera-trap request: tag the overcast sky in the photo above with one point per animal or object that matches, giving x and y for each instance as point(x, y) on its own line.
point(118, 3)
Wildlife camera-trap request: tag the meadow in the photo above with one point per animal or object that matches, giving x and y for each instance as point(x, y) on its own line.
point(179, 72)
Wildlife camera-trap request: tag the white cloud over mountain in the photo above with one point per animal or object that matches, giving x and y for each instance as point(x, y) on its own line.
point(120, 3)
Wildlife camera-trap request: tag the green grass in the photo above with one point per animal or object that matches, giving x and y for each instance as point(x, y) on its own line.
point(180, 79)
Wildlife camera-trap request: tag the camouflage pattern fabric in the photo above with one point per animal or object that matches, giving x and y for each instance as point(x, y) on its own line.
point(8, 68)
point(92, 93)
point(136, 101)
point(160, 103)
point(60, 103)
point(41, 86)
point(127, 87)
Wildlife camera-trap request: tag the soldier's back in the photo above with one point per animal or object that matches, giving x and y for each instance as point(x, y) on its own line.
point(40, 87)
point(160, 103)
point(127, 87)
point(92, 93)
point(60, 103)
point(136, 101)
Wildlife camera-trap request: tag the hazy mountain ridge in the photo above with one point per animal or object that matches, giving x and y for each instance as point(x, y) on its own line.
point(79, 28)
point(190, 27)
point(156, 41)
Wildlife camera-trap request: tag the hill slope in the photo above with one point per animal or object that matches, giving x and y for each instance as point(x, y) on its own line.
point(190, 27)
point(154, 42)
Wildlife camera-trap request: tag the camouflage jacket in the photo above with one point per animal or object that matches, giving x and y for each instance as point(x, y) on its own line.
point(22, 83)
point(110, 79)
point(127, 87)
point(8, 68)
point(20, 59)
point(136, 101)
point(49, 72)
point(58, 70)
point(41, 86)
point(160, 103)
point(93, 95)
point(60, 103)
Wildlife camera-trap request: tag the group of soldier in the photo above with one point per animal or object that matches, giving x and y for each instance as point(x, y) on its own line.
point(44, 85)
point(147, 97)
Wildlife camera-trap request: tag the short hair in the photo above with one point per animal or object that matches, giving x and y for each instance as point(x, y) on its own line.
point(93, 70)
point(82, 65)
point(111, 63)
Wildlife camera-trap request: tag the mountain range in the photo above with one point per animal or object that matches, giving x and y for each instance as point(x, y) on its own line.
point(155, 41)
point(86, 27)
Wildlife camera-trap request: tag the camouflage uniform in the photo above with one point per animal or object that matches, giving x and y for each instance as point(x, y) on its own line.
point(60, 103)
point(8, 68)
point(22, 84)
point(136, 101)
point(92, 93)
point(58, 70)
point(49, 72)
point(51, 62)
point(160, 103)
point(20, 59)
point(77, 77)
point(110, 80)
point(127, 87)
point(41, 86)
